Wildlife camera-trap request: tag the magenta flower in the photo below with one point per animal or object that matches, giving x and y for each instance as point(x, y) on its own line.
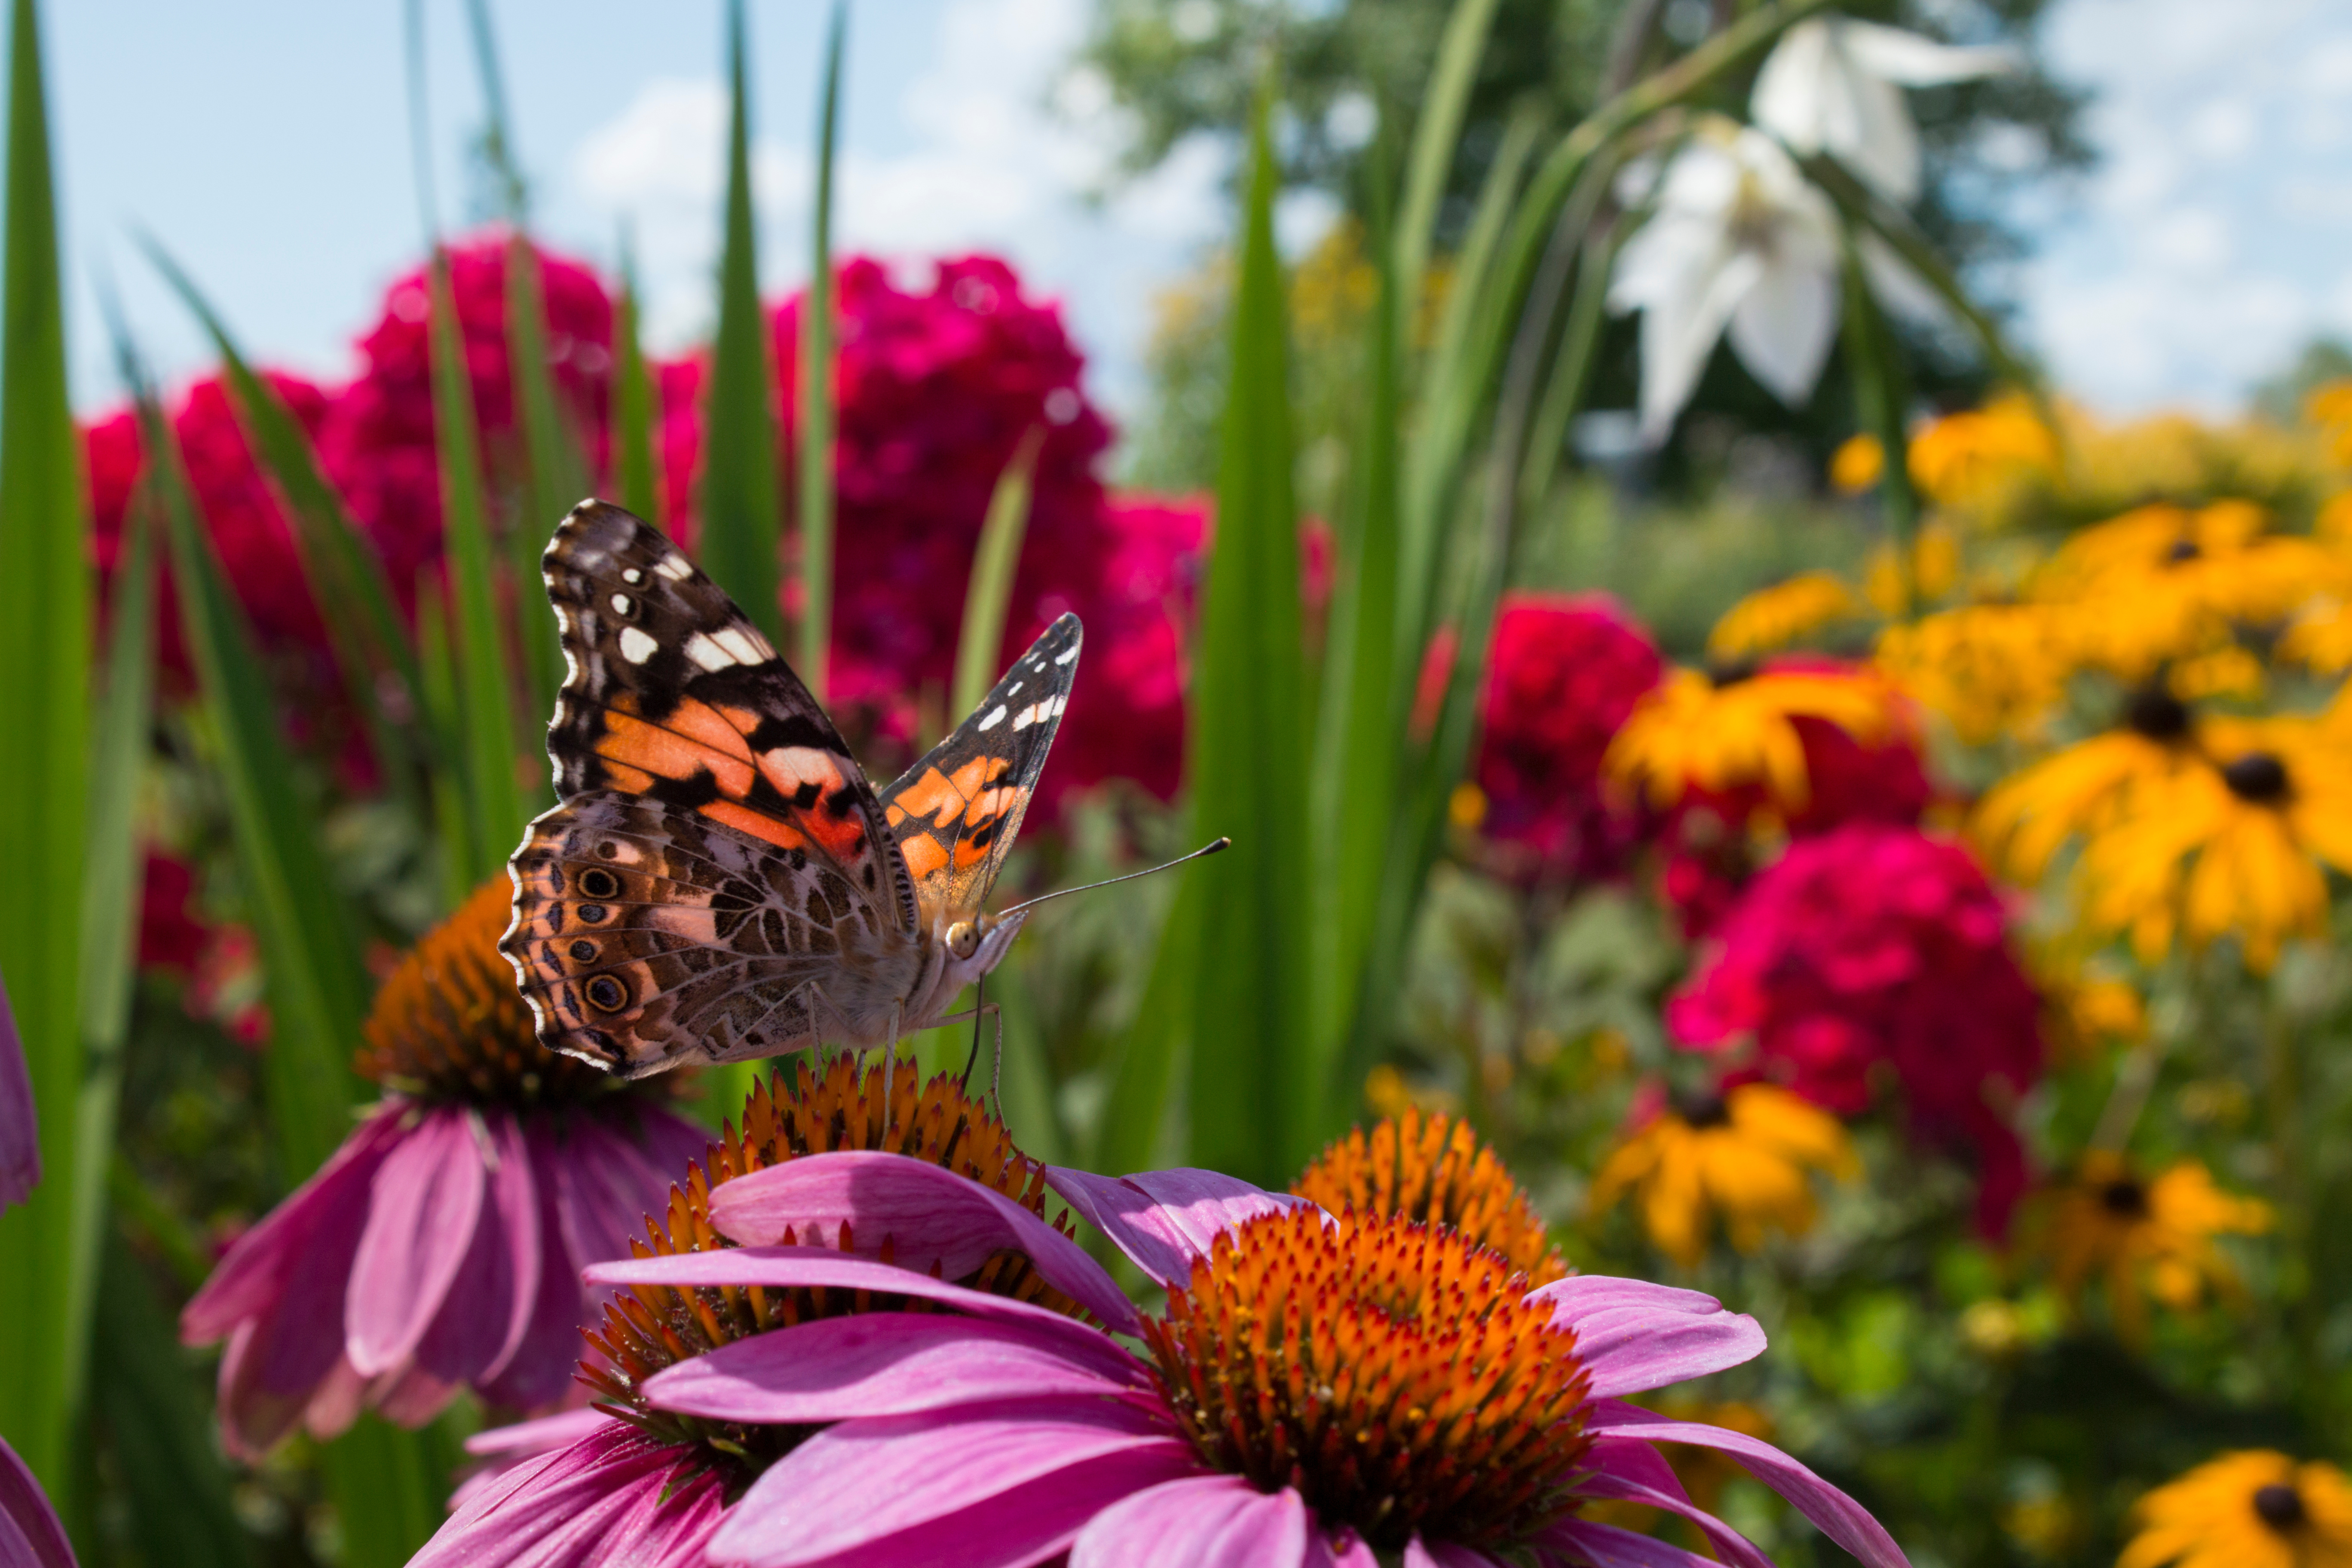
point(30, 1535)
point(20, 1131)
point(440, 1247)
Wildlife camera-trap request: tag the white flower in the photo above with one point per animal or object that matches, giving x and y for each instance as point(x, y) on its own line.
point(1834, 85)
point(1740, 241)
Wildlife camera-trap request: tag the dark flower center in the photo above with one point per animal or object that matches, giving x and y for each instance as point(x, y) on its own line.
point(1700, 1107)
point(1434, 1169)
point(2182, 550)
point(2125, 1197)
point(1393, 1372)
point(2280, 1507)
point(1732, 673)
point(2156, 713)
point(2258, 776)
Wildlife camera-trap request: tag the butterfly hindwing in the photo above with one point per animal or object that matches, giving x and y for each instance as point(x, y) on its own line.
point(955, 814)
point(670, 693)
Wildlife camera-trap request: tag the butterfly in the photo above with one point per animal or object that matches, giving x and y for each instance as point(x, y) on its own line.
point(719, 880)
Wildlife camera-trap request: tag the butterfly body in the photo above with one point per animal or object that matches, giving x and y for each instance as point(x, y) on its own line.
point(720, 881)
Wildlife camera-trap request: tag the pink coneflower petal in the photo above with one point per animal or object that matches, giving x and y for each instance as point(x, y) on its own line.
point(1164, 1219)
point(928, 1213)
point(614, 1500)
point(487, 1313)
point(1838, 1516)
point(1445, 1554)
point(504, 1447)
point(992, 1486)
point(428, 1199)
point(20, 1132)
point(1632, 1336)
point(1734, 1550)
point(604, 1181)
point(1606, 1546)
point(887, 1363)
point(1221, 1519)
point(30, 1535)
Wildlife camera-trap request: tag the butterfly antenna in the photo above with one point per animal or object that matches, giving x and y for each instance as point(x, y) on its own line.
point(1210, 847)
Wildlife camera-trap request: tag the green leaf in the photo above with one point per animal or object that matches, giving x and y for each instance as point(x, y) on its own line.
point(437, 702)
point(1132, 1135)
point(391, 1489)
point(633, 405)
point(1256, 1079)
point(45, 610)
point(558, 473)
point(739, 455)
point(496, 146)
point(1436, 136)
point(989, 591)
point(814, 357)
point(156, 1418)
point(488, 751)
point(1872, 359)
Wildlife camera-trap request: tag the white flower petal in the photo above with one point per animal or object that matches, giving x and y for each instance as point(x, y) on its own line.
point(1783, 326)
point(1894, 54)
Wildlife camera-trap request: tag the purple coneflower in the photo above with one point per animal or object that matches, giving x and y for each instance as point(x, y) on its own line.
point(440, 1247)
point(20, 1131)
point(1319, 1390)
point(30, 1535)
point(948, 1219)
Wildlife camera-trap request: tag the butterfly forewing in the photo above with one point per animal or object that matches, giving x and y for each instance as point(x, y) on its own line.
point(956, 813)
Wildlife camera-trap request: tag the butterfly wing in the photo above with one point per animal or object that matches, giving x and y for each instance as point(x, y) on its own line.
point(956, 813)
point(673, 701)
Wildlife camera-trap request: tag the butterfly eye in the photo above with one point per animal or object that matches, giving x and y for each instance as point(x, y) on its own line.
point(599, 883)
point(606, 993)
point(963, 939)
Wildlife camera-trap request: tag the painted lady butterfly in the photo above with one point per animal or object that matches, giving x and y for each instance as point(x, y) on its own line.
point(720, 881)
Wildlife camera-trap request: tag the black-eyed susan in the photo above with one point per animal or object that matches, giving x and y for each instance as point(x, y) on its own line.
point(1772, 618)
point(2083, 1011)
point(1859, 463)
point(1746, 1155)
point(1898, 581)
point(2235, 843)
point(1720, 733)
point(1963, 458)
point(2143, 1236)
point(2251, 1509)
point(2087, 786)
point(1990, 671)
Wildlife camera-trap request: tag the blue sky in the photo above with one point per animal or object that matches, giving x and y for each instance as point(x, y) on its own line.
point(266, 142)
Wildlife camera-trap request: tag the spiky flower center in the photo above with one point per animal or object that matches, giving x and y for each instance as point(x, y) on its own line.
point(448, 1024)
point(1393, 1372)
point(840, 1107)
point(1434, 1169)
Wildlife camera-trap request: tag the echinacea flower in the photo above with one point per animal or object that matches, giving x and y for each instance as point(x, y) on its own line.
point(1564, 672)
point(2251, 1509)
point(628, 1483)
point(1747, 1153)
point(2235, 844)
point(1773, 617)
point(1437, 1408)
point(440, 1247)
point(20, 1132)
point(30, 1535)
point(1834, 85)
point(2144, 1236)
point(1434, 1169)
point(1872, 953)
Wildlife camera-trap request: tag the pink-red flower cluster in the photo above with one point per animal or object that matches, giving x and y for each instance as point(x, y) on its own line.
point(1869, 949)
point(1564, 672)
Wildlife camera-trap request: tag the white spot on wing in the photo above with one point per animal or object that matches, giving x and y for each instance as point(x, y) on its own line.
point(741, 648)
point(1064, 658)
point(635, 646)
point(994, 720)
point(706, 652)
point(622, 605)
point(674, 567)
point(632, 576)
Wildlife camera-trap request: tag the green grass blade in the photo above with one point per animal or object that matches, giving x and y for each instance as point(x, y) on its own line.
point(1257, 1082)
point(45, 609)
point(346, 576)
point(391, 1489)
point(815, 361)
point(740, 522)
point(557, 475)
point(157, 1420)
point(1878, 399)
point(633, 405)
point(437, 707)
point(990, 591)
point(496, 144)
point(1132, 1135)
point(110, 902)
point(1571, 369)
point(1436, 134)
point(488, 750)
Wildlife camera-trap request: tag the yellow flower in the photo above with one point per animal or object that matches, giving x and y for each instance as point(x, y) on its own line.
point(2321, 639)
point(1935, 567)
point(1746, 1155)
point(2333, 525)
point(2330, 406)
point(1965, 458)
point(2232, 845)
point(1990, 669)
point(2086, 787)
point(1717, 734)
point(1859, 463)
point(2251, 1509)
point(2144, 1237)
point(1774, 617)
